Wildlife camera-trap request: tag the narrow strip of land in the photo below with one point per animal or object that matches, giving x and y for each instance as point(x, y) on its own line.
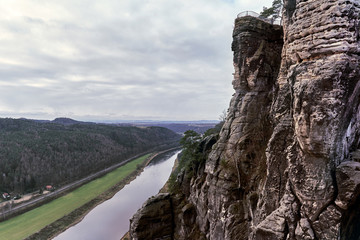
point(33, 221)
point(23, 207)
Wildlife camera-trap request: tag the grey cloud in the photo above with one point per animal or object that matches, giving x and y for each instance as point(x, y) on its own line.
point(165, 59)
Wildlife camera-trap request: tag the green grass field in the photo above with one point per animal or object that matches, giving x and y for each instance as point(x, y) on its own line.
point(31, 222)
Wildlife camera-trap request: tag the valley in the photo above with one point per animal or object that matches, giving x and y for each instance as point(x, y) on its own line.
point(35, 154)
point(55, 216)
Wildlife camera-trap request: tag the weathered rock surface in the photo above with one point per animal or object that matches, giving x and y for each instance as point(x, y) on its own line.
point(154, 220)
point(317, 106)
point(285, 165)
point(348, 182)
point(236, 168)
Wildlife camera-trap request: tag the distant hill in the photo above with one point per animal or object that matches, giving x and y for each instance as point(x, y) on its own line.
point(65, 121)
point(178, 127)
point(36, 153)
point(60, 120)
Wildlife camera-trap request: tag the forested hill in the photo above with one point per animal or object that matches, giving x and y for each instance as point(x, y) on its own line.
point(34, 154)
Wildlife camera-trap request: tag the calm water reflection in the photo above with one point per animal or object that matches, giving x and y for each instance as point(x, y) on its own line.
point(110, 220)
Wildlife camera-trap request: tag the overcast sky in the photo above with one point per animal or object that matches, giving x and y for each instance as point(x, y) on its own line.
point(117, 59)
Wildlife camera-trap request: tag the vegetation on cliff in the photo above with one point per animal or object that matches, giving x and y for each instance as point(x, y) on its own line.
point(34, 154)
point(195, 149)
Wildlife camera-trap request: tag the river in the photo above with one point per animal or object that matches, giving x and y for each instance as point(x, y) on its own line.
point(110, 219)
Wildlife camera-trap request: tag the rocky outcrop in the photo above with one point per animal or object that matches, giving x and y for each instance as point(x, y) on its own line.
point(285, 165)
point(236, 168)
point(154, 220)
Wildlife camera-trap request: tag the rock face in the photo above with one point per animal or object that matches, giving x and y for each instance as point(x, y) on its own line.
point(154, 220)
point(285, 165)
point(236, 168)
point(317, 108)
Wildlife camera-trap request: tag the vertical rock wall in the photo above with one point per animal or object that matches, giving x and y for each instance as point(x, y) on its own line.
point(317, 108)
point(236, 168)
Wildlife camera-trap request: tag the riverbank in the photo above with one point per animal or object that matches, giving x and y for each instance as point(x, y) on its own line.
point(34, 200)
point(71, 219)
point(61, 225)
point(164, 189)
point(75, 207)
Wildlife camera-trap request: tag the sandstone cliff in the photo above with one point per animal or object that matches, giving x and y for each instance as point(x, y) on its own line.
point(285, 165)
